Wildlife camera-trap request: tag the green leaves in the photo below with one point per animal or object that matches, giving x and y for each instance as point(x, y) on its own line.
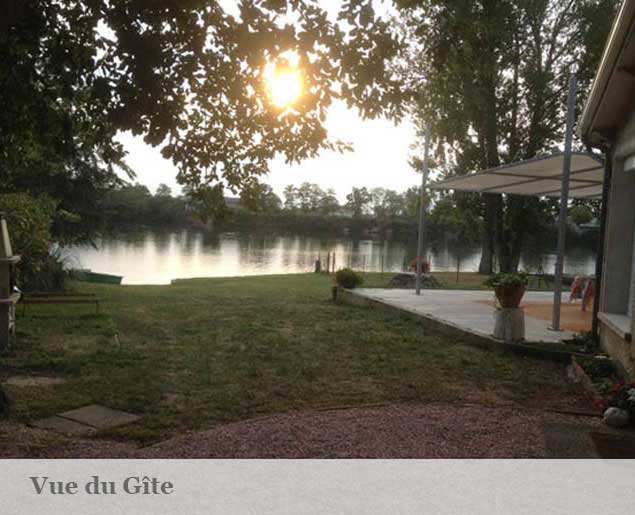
point(491, 80)
point(29, 221)
point(188, 76)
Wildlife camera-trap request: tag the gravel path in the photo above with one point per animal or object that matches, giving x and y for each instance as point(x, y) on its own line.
point(398, 431)
point(394, 431)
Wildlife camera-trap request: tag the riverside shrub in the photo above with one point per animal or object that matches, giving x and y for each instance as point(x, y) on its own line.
point(347, 278)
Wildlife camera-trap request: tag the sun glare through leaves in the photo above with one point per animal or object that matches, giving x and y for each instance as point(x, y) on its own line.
point(283, 84)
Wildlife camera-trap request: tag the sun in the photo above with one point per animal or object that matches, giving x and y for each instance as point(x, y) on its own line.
point(284, 85)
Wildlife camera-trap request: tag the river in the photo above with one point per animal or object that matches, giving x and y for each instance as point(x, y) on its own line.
point(157, 257)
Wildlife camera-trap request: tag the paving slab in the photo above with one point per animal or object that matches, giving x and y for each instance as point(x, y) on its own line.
point(62, 425)
point(471, 310)
point(99, 417)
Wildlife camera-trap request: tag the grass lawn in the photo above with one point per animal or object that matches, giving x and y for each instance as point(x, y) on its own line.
point(207, 351)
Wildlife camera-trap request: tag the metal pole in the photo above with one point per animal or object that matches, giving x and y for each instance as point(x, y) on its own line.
point(422, 212)
point(564, 202)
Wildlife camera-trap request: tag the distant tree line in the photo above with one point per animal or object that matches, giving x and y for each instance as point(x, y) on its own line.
point(380, 204)
point(133, 204)
point(309, 208)
point(380, 212)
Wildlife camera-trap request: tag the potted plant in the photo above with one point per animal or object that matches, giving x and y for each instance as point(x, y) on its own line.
point(510, 318)
point(425, 265)
point(509, 288)
point(347, 278)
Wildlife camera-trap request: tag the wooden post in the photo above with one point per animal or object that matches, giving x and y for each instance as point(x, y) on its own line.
point(382, 263)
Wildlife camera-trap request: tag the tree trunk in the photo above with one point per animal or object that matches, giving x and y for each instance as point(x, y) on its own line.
point(502, 238)
point(511, 241)
point(486, 265)
point(520, 208)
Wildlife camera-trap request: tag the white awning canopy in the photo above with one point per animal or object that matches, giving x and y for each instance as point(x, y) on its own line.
point(538, 177)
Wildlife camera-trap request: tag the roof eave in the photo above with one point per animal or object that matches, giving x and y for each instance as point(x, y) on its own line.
point(590, 134)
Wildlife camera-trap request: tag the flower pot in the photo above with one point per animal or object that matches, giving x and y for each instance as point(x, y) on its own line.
point(510, 296)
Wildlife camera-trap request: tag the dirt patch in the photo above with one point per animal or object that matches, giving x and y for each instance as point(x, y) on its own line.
point(20, 441)
point(21, 381)
point(173, 399)
point(287, 329)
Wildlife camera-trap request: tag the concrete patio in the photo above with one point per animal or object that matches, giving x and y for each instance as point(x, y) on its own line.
point(468, 311)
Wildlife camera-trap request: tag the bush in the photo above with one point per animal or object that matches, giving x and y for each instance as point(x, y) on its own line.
point(598, 369)
point(622, 396)
point(586, 342)
point(506, 280)
point(29, 220)
point(347, 278)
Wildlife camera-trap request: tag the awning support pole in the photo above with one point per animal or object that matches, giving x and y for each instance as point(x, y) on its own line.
point(422, 210)
point(564, 203)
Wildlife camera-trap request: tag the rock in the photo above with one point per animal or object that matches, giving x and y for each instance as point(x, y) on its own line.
point(616, 417)
point(408, 280)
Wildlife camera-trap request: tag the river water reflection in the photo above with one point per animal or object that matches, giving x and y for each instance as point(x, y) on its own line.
point(157, 257)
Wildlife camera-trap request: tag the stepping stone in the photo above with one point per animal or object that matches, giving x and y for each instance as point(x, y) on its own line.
point(33, 381)
point(99, 417)
point(62, 425)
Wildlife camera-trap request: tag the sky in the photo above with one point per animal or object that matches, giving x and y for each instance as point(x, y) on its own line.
point(379, 157)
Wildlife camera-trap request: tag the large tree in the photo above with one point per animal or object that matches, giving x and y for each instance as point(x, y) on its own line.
point(260, 197)
point(491, 77)
point(187, 76)
point(358, 201)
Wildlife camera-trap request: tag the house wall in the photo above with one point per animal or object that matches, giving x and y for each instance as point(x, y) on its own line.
point(618, 277)
point(621, 350)
point(618, 251)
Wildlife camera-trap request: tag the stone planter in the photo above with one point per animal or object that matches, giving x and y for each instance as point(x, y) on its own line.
point(509, 324)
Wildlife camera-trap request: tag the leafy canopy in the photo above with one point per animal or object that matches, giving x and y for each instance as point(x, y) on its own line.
point(491, 79)
point(188, 77)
